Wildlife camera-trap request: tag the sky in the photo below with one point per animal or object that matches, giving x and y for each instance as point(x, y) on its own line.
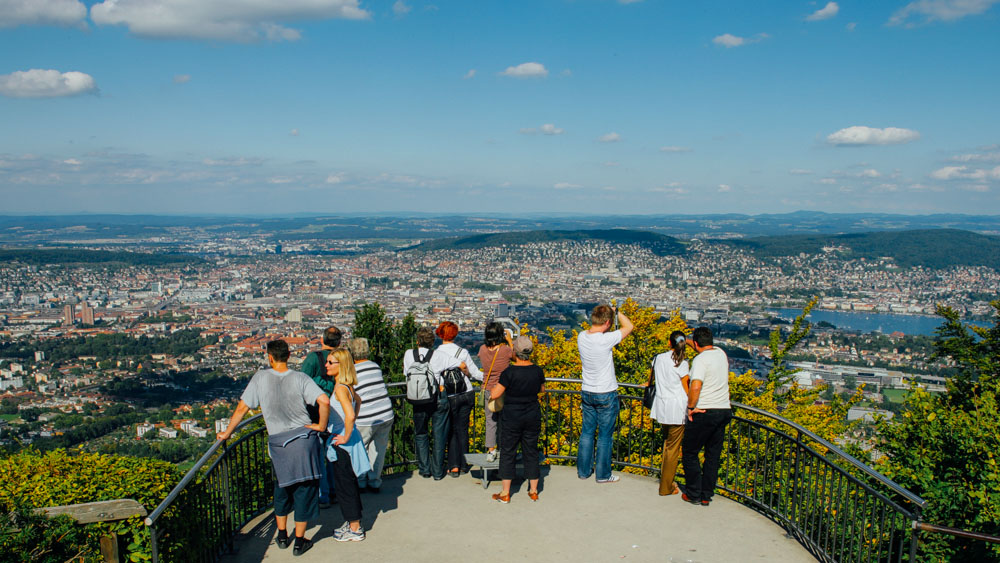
point(480, 107)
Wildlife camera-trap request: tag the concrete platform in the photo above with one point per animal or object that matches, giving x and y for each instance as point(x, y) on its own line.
point(416, 519)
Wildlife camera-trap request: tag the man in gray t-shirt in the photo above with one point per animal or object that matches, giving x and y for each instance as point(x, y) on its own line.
point(282, 395)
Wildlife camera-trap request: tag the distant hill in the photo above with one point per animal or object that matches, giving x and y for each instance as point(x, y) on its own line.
point(661, 245)
point(49, 256)
point(930, 248)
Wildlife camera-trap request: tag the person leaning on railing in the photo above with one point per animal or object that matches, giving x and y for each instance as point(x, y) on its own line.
point(670, 375)
point(429, 463)
point(521, 418)
point(293, 441)
point(494, 355)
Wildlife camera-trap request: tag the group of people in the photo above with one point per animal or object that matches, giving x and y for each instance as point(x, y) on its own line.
point(329, 425)
point(328, 430)
point(692, 405)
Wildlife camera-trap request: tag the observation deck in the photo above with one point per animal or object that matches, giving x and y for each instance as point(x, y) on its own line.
point(784, 494)
point(416, 519)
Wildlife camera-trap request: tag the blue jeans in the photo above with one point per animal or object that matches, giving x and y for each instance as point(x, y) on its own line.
point(600, 412)
point(428, 462)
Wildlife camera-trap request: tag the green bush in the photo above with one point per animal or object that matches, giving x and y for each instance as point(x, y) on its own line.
point(34, 480)
point(28, 537)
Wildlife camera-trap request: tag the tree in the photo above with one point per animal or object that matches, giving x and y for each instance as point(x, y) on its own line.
point(387, 340)
point(945, 446)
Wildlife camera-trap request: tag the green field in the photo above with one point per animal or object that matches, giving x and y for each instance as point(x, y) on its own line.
point(895, 395)
point(9, 417)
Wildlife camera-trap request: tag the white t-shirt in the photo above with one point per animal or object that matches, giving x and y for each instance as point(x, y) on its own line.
point(711, 367)
point(670, 404)
point(598, 364)
point(444, 358)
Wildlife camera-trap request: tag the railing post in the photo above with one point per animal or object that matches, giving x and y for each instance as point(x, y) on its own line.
point(796, 485)
point(154, 544)
point(226, 500)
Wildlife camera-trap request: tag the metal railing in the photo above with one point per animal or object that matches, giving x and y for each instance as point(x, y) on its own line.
point(836, 506)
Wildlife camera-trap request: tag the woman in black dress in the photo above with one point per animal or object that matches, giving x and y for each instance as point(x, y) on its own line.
point(521, 418)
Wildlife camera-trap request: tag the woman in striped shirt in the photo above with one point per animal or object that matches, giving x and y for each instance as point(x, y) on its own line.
point(375, 415)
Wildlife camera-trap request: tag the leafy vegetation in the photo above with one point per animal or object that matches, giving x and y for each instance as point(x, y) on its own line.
point(34, 480)
point(929, 248)
point(50, 256)
point(29, 537)
point(945, 446)
point(108, 346)
point(387, 339)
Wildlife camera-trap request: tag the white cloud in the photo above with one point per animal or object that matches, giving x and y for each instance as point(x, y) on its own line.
point(799, 172)
point(546, 129)
point(926, 11)
point(72, 162)
point(729, 40)
point(674, 149)
point(565, 186)
point(246, 20)
point(42, 12)
point(182, 78)
point(826, 12)
point(335, 179)
point(965, 173)
point(725, 188)
point(861, 135)
point(611, 137)
point(886, 187)
point(977, 157)
point(827, 181)
point(280, 180)
point(526, 70)
point(566, 73)
point(400, 8)
point(976, 188)
point(470, 74)
point(294, 132)
point(38, 83)
point(869, 173)
point(851, 26)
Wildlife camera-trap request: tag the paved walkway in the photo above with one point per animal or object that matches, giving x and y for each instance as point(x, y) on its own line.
point(416, 519)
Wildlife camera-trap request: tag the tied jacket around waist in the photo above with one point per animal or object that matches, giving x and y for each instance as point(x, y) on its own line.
point(296, 455)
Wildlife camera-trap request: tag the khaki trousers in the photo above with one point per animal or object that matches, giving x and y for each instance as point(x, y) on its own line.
point(671, 455)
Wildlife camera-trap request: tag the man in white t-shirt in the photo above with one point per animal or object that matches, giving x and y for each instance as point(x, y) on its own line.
point(599, 392)
point(708, 413)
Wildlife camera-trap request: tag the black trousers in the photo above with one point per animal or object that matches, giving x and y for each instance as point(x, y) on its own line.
point(436, 415)
point(705, 430)
point(346, 486)
point(520, 424)
point(460, 408)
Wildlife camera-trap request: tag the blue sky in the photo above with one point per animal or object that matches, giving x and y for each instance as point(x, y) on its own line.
point(593, 106)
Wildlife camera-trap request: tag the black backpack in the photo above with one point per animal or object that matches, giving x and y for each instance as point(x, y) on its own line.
point(454, 379)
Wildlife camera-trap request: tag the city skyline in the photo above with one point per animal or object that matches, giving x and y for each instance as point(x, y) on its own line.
point(628, 107)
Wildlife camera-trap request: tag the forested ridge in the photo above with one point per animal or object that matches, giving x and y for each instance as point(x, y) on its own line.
point(929, 248)
point(661, 245)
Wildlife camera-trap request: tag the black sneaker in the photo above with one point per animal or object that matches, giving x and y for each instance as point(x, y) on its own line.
point(282, 539)
point(302, 545)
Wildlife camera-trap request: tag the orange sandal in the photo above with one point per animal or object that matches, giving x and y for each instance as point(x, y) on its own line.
point(533, 495)
point(502, 498)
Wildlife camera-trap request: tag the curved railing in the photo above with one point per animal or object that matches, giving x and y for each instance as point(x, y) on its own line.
point(838, 507)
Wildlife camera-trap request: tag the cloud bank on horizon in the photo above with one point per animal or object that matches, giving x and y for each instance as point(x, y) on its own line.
point(627, 106)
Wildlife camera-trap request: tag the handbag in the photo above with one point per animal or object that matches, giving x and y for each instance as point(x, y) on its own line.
point(649, 392)
point(483, 401)
point(495, 405)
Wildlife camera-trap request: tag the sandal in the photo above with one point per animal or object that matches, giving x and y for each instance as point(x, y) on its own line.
point(533, 495)
point(502, 498)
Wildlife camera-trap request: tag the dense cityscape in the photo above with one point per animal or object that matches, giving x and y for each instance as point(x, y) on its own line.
point(202, 325)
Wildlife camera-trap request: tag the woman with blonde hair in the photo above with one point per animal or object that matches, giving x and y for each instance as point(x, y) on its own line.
point(345, 448)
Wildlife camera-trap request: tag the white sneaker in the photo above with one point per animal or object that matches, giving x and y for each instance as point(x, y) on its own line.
point(491, 455)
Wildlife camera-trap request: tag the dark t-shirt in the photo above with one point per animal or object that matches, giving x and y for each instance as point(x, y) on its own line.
point(522, 383)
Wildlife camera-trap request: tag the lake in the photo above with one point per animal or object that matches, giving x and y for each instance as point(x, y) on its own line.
point(868, 322)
